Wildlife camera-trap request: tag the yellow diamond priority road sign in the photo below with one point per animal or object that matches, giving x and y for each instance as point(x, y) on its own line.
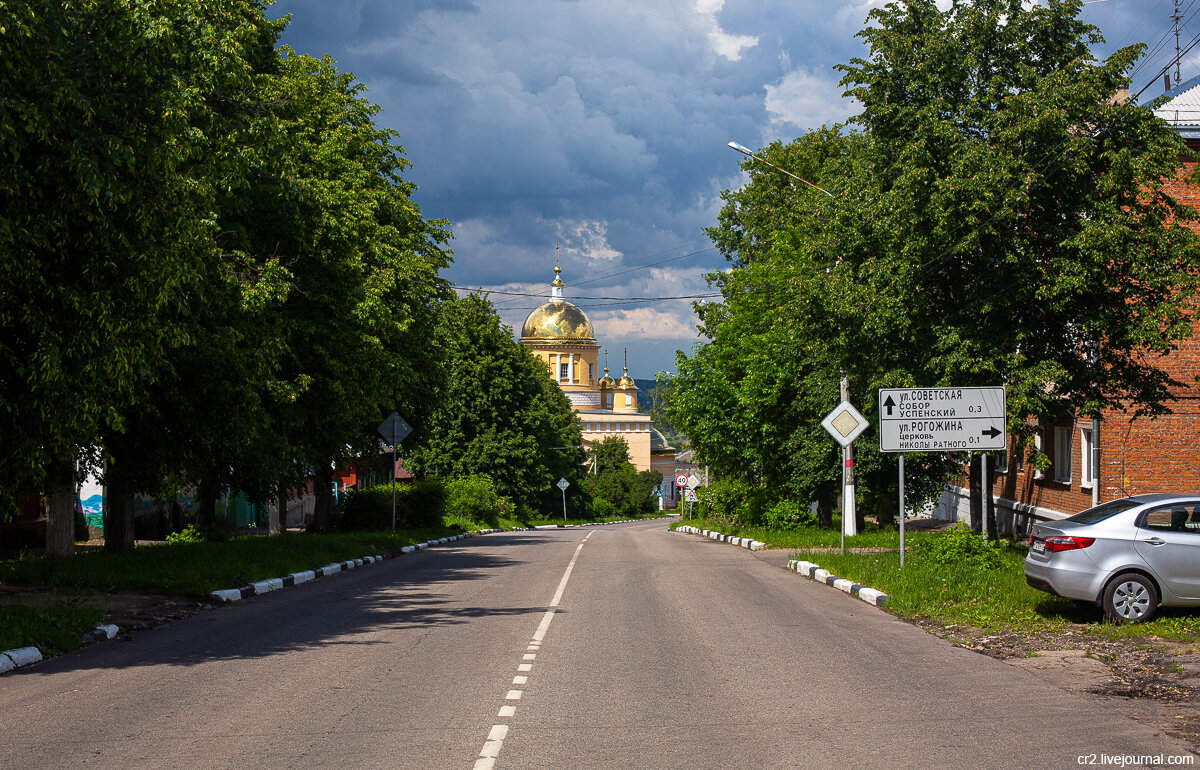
point(845, 423)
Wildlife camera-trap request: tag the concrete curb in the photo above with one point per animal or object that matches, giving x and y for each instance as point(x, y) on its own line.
point(809, 570)
point(744, 542)
point(25, 656)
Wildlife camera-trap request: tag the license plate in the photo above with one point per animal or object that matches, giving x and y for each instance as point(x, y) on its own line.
point(1039, 546)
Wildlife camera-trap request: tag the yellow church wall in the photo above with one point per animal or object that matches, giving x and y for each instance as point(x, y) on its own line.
point(634, 429)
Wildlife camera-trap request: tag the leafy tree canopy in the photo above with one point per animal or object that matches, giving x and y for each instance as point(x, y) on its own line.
point(497, 413)
point(998, 217)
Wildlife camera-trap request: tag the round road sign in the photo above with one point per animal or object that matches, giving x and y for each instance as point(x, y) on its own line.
point(681, 480)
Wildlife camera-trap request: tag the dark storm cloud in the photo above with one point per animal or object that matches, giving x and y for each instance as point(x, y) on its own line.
point(598, 124)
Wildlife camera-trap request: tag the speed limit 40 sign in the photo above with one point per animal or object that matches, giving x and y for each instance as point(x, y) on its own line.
point(681, 479)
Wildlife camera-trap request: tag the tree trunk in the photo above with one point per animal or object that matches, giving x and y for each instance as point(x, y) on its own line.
point(277, 517)
point(206, 507)
point(825, 508)
point(60, 514)
point(118, 509)
point(885, 506)
point(976, 492)
point(323, 512)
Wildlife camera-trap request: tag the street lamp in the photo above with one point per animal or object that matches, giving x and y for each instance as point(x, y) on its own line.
point(747, 151)
point(849, 514)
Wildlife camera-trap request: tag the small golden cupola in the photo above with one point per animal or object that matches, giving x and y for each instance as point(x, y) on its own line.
point(626, 397)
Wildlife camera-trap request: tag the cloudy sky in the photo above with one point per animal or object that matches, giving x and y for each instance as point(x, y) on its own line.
point(601, 125)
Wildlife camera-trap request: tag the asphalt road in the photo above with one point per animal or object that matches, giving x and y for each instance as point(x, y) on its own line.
point(617, 647)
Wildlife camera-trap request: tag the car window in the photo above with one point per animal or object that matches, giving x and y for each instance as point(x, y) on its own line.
point(1173, 518)
point(1104, 510)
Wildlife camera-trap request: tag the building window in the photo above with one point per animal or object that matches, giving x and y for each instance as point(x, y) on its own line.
point(1000, 462)
point(562, 371)
point(628, 400)
point(591, 373)
point(1062, 454)
point(1039, 445)
point(1087, 473)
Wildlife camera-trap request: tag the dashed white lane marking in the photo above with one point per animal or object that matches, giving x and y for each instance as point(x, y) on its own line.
point(495, 740)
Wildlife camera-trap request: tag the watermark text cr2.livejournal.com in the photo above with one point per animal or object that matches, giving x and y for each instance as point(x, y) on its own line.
point(1136, 760)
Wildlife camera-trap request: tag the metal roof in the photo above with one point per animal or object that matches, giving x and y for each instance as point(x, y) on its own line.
point(1181, 110)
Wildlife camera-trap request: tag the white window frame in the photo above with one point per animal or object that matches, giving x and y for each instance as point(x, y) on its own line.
point(1087, 474)
point(1000, 462)
point(1038, 446)
point(1062, 453)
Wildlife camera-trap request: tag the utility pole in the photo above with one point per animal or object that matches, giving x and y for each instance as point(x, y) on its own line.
point(1176, 17)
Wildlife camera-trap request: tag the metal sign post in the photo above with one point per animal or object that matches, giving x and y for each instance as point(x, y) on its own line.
point(563, 484)
point(901, 510)
point(394, 430)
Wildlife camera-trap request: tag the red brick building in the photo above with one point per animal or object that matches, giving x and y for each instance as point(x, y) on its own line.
point(1116, 455)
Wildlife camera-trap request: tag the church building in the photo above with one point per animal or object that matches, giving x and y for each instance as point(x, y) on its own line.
point(560, 334)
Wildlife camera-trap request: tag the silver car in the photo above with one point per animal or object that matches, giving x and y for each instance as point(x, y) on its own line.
point(1128, 556)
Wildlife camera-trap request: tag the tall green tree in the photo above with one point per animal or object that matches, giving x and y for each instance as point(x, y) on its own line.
point(616, 486)
point(1021, 213)
point(999, 219)
point(106, 212)
point(497, 413)
point(357, 327)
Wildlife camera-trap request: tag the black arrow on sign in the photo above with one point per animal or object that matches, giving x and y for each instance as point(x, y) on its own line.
point(990, 432)
point(889, 404)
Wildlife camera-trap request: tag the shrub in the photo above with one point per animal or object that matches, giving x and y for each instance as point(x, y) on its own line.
point(418, 506)
point(188, 534)
point(603, 509)
point(787, 516)
point(960, 545)
point(738, 502)
point(472, 501)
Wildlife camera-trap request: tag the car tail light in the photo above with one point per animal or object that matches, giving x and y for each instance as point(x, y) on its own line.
point(1056, 543)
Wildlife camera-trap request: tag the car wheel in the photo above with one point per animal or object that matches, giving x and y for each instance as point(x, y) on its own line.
point(1130, 598)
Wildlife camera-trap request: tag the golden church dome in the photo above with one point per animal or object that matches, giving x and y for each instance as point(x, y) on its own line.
point(557, 319)
point(626, 382)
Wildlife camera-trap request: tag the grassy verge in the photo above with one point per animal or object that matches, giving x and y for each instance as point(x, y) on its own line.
point(53, 627)
point(811, 537)
point(196, 569)
point(990, 599)
point(183, 569)
point(962, 592)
